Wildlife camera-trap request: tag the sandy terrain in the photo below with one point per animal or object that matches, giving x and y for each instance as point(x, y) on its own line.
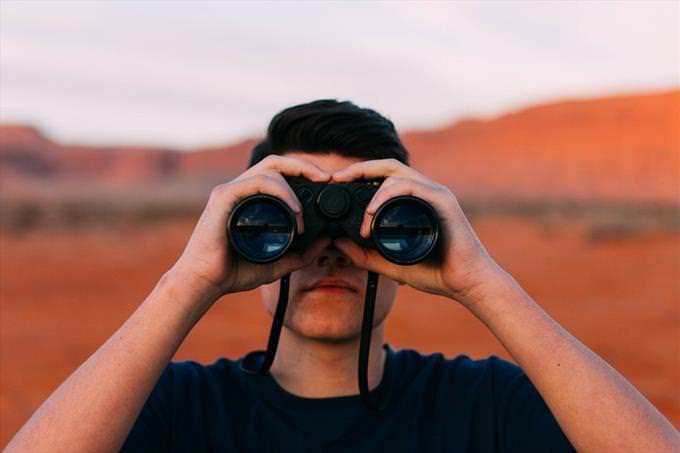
point(64, 292)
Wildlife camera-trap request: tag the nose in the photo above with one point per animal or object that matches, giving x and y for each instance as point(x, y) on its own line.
point(332, 257)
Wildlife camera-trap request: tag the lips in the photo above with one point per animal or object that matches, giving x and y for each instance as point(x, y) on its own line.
point(331, 284)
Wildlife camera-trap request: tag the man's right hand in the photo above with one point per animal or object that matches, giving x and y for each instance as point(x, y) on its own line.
point(119, 377)
point(208, 264)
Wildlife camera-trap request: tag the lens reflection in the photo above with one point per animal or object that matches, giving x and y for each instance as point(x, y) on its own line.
point(405, 231)
point(262, 230)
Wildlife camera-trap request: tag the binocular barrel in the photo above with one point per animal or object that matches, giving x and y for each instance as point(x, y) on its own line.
point(262, 228)
point(405, 230)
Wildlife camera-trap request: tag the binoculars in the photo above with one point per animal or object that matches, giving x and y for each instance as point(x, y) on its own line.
point(262, 228)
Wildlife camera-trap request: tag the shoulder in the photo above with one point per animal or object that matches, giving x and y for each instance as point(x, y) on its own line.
point(190, 373)
point(192, 369)
point(491, 370)
point(488, 394)
point(193, 388)
point(188, 381)
point(491, 383)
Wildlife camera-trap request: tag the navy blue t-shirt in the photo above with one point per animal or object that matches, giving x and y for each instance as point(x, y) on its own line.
point(434, 404)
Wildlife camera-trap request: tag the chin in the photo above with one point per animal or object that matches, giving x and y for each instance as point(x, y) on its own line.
point(329, 320)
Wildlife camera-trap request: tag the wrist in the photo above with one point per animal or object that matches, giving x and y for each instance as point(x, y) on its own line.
point(489, 281)
point(190, 287)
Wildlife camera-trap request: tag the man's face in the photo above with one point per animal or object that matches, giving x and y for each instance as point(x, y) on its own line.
point(326, 298)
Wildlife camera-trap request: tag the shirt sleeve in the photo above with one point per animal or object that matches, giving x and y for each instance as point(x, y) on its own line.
point(151, 431)
point(524, 420)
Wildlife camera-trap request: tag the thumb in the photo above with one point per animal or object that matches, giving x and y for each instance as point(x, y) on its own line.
point(368, 259)
point(294, 261)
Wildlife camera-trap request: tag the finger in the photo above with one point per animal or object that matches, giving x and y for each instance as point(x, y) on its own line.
point(261, 184)
point(293, 261)
point(400, 187)
point(291, 166)
point(369, 259)
point(396, 187)
point(372, 169)
point(299, 217)
point(365, 228)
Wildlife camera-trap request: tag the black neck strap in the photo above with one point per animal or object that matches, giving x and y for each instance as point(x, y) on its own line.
point(365, 345)
point(252, 365)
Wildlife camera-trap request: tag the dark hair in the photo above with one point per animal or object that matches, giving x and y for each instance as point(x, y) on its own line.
point(328, 125)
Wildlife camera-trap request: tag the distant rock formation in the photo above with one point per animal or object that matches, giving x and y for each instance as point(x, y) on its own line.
point(611, 149)
point(30, 163)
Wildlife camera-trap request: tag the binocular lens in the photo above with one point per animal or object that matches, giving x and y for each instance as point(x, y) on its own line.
point(261, 229)
point(405, 230)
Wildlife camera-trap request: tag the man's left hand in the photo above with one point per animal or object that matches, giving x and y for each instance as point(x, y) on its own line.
point(465, 265)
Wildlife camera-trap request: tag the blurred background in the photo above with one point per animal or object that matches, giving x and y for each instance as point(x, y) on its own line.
point(557, 125)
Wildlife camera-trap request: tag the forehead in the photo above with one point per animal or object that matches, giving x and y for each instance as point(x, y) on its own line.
point(329, 162)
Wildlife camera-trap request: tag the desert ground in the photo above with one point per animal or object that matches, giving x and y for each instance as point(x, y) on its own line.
point(65, 290)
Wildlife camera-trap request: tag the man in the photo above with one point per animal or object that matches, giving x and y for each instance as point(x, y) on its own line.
point(127, 395)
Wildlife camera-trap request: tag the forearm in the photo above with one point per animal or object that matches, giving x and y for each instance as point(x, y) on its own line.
point(596, 407)
point(95, 408)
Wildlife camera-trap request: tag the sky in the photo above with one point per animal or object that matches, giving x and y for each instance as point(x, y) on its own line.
point(187, 75)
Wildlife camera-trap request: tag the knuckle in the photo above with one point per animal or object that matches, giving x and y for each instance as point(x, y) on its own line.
point(219, 190)
point(396, 184)
point(252, 183)
point(391, 181)
point(274, 176)
point(444, 189)
point(272, 159)
point(261, 179)
point(351, 167)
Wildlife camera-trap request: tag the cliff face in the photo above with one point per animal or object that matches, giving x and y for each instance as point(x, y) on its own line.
point(624, 148)
point(618, 149)
point(30, 161)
